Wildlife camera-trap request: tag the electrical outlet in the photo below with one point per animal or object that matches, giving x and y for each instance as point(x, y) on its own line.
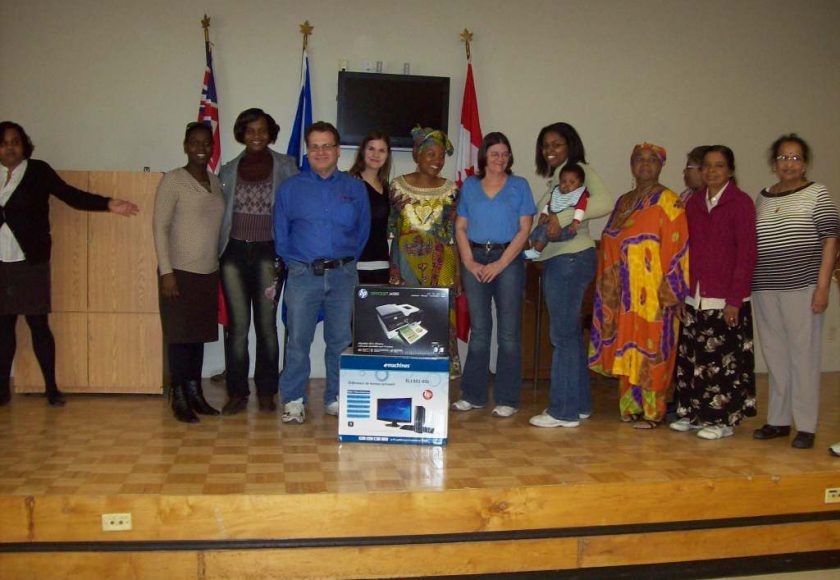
point(832, 495)
point(116, 522)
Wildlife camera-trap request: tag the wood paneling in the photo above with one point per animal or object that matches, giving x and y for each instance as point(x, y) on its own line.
point(662, 547)
point(394, 561)
point(14, 521)
point(416, 560)
point(209, 517)
point(122, 258)
point(101, 263)
point(97, 566)
point(71, 354)
point(68, 262)
point(125, 353)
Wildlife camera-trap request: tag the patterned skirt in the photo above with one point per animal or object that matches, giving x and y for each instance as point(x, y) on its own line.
point(716, 368)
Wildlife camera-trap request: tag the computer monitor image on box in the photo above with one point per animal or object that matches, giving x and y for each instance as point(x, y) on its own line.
point(394, 411)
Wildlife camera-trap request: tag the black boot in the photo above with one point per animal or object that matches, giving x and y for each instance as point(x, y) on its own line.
point(55, 398)
point(5, 392)
point(180, 406)
point(195, 397)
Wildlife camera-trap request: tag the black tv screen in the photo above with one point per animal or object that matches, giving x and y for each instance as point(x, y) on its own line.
point(394, 104)
point(394, 410)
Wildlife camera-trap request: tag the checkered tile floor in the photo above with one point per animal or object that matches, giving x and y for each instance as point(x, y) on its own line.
point(124, 444)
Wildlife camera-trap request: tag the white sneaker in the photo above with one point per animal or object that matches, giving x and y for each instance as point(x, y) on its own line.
point(504, 411)
point(464, 405)
point(332, 409)
point(716, 432)
point(584, 415)
point(834, 449)
point(294, 412)
point(683, 425)
point(546, 420)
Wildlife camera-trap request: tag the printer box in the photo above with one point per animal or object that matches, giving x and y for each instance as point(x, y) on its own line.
point(390, 399)
point(401, 321)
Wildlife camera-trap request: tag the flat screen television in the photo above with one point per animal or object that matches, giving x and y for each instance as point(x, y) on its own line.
point(394, 104)
point(394, 411)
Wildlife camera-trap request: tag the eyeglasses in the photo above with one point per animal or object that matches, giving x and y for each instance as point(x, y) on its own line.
point(324, 147)
point(796, 158)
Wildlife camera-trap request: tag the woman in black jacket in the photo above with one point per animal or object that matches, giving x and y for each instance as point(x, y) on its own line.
point(25, 243)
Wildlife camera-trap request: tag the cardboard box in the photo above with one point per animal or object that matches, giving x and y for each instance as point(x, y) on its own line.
point(401, 321)
point(393, 399)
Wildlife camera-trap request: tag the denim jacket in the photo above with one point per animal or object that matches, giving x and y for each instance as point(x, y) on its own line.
point(284, 167)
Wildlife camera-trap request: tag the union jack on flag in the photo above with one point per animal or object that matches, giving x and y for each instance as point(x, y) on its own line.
point(208, 109)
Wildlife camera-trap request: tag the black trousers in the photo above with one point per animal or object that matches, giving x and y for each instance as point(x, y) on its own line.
point(43, 343)
point(185, 362)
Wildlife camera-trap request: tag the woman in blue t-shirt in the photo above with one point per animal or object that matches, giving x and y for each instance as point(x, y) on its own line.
point(494, 218)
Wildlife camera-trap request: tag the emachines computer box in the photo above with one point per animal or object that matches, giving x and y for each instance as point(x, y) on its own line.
point(401, 321)
point(392, 399)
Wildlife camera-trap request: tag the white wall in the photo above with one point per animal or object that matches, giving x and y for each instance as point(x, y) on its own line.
point(110, 85)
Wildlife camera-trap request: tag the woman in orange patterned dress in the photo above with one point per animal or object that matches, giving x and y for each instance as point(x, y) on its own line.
point(642, 279)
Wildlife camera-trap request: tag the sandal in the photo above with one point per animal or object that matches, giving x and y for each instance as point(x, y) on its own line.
point(632, 418)
point(646, 425)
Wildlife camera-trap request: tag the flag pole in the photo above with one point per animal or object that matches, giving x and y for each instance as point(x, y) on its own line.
point(305, 29)
point(466, 38)
point(205, 24)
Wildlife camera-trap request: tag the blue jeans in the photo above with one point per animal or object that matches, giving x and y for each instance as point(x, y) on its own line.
point(506, 291)
point(247, 271)
point(305, 295)
point(565, 280)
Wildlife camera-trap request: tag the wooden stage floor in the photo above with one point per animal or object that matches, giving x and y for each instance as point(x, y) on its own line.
point(251, 478)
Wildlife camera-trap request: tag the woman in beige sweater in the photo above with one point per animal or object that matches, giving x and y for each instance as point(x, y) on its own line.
point(188, 215)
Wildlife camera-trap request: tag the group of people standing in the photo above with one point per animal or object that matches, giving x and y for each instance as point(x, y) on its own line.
point(678, 278)
point(656, 308)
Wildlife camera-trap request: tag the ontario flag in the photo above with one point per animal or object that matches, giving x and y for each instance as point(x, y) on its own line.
point(303, 117)
point(208, 109)
point(469, 133)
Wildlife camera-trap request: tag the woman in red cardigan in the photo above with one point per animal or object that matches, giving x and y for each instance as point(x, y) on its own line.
point(25, 188)
point(715, 359)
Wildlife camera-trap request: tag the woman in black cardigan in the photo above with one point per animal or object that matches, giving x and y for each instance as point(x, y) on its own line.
point(25, 188)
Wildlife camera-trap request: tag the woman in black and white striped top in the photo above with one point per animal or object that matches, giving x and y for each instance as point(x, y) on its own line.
point(798, 227)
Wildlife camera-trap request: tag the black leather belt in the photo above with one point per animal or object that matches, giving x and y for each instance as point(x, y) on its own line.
point(489, 246)
point(318, 266)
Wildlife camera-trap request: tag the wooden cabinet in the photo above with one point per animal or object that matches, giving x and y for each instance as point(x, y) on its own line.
point(536, 343)
point(104, 294)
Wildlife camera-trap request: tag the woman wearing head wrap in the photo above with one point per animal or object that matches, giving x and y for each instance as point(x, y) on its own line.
point(422, 224)
point(642, 278)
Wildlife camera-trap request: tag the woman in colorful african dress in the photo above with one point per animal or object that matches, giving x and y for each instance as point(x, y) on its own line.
point(715, 359)
point(642, 278)
point(422, 223)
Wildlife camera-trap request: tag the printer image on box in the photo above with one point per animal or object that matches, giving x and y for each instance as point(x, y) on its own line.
point(392, 317)
point(401, 321)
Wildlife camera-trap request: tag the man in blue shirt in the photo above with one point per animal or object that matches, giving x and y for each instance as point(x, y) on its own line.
point(321, 226)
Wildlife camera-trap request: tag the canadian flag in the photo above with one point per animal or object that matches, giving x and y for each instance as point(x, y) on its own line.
point(466, 163)
point(469, 133)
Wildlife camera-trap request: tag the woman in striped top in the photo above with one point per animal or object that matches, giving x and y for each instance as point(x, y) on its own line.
point(795, 217)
